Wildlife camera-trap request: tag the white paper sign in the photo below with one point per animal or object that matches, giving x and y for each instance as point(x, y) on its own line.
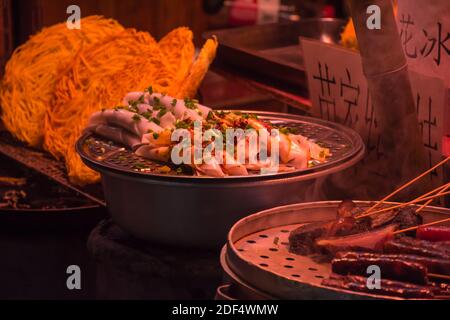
point(424, 27)
point(339, 92)
point(432, 111)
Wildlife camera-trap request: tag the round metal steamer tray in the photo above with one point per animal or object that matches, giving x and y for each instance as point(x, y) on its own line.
point(257, 258)
point(178, 209)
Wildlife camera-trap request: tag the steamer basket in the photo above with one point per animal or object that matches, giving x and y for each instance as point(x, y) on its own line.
point(177, 209)
point(257, 253)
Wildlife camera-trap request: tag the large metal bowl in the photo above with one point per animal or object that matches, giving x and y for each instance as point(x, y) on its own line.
point(199, 211)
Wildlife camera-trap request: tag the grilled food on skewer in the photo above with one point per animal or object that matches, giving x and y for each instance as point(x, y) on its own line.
point(353, 244)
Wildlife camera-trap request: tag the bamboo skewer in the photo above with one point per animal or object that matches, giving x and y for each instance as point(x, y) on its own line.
point(437, 190)
point(407, 184)
point(404, 204)
point(444, 188)
point(439, 276)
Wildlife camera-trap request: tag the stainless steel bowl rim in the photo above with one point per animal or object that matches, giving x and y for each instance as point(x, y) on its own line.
point(231, 183)
point(318, 204)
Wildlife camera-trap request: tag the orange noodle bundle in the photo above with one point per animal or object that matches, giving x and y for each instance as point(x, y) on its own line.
point(30, 75)
point(198, 69)
point(99, 77)
point(178, 51)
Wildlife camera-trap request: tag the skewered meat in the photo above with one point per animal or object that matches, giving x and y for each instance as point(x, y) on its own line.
point(302, 240)
point(382, 218)
point(391, 268)
point(365, 241)
point(442, 289)
point(345, 209)
point(418, 247)
point(404, 218)
point(348, 226)
point(434, 265)
point(387, 287)
point(433, 233)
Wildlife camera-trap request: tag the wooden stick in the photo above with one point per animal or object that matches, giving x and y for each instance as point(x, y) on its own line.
point(440, 276)
point(404, 204)
point(422, 225)
point(444, 188)
point(407, 184)
point(438, 189)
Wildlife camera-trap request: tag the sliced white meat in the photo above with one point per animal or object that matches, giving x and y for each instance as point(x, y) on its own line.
point(158, 140)
point(299, 139)
point(125, 119)
point(232, 167)
point(179, 109)
point(285, 168)
point(316, 151)
point(117, 135)
point(211, 169)
point(154, 153)
point(256, 124)
point(181, 112)
point(167, 121)
point(192, 115)
point(146, 126)
point(299, 156)
point(144, 107)
point(284, 147)
point(204, 110)
point(98, 118)
point(135, 96)
point(292, 153)
point(259, 165)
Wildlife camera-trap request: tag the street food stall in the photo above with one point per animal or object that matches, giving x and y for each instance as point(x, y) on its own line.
point(229, 150)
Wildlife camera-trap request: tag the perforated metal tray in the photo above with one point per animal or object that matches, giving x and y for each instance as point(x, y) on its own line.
point(257, 252)
point(45, 164)
point(343, 143)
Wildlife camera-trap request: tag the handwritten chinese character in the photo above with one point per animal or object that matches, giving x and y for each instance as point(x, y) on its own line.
point(431, 43)
point(406, 36)
point(325, 79)
point(350, 94)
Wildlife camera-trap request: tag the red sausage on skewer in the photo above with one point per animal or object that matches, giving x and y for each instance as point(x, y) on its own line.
point(435, 234)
